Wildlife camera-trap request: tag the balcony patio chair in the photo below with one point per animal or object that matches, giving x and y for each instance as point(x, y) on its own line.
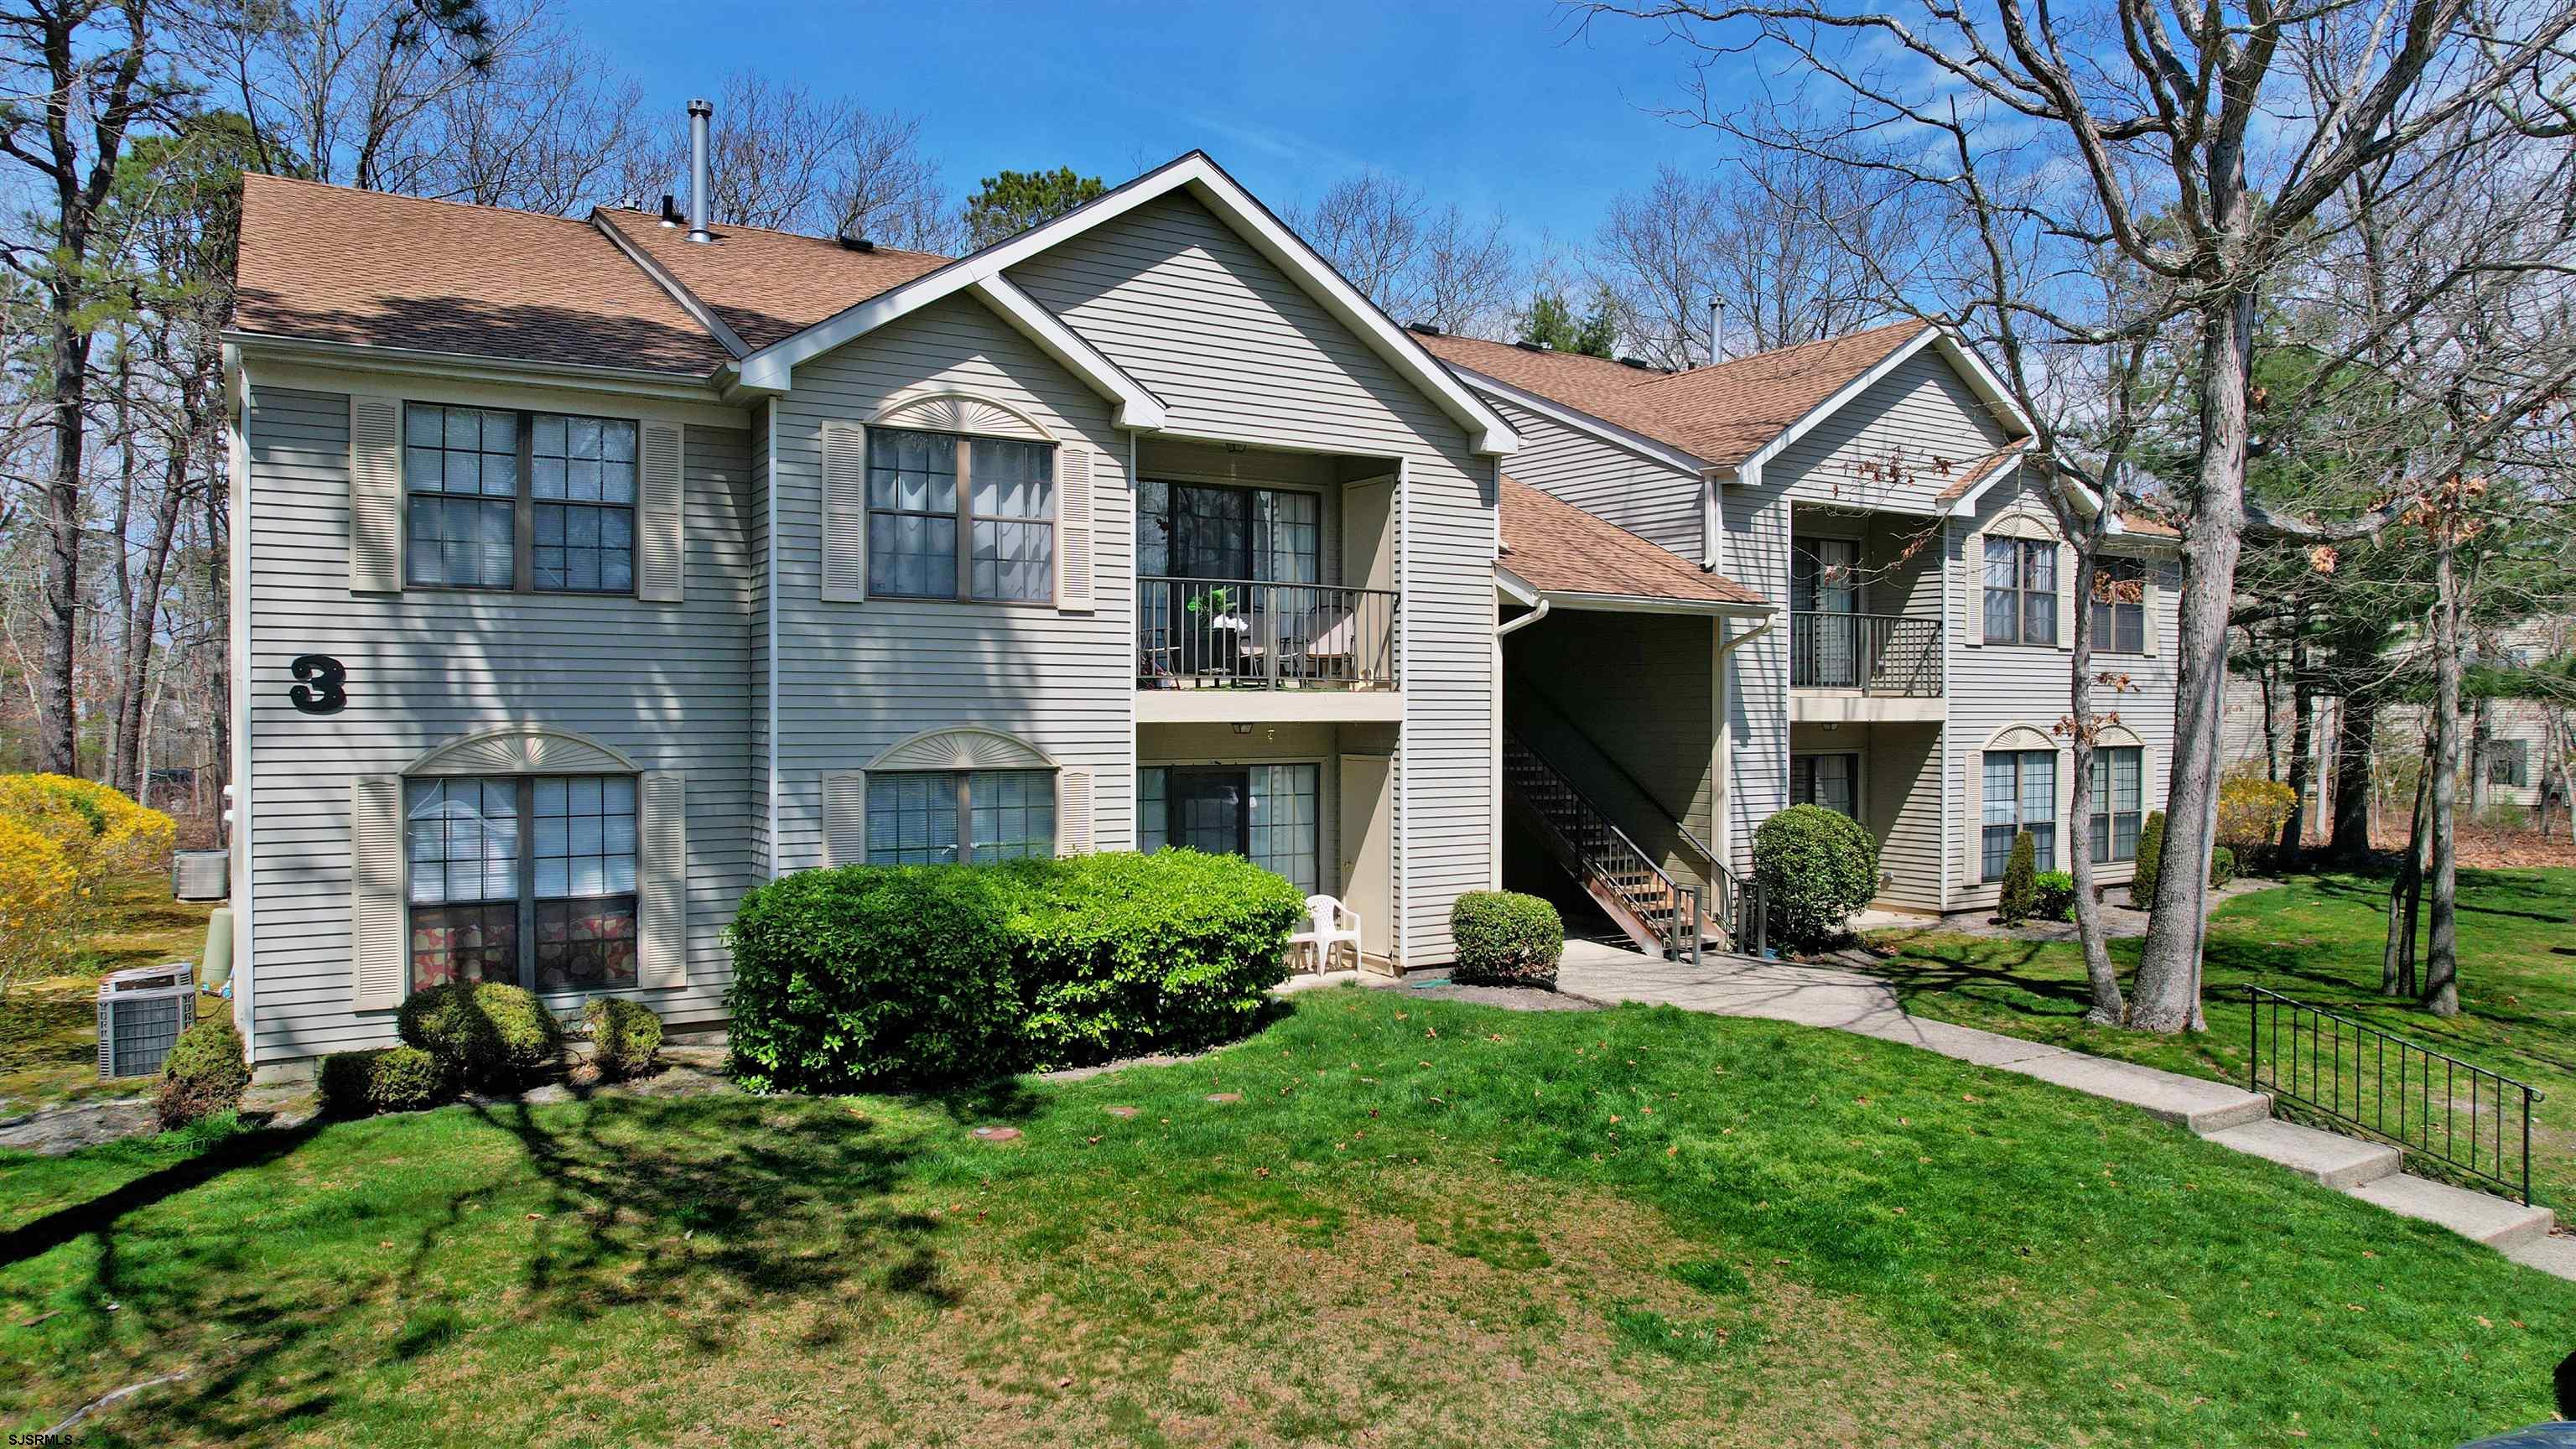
point(1325, 933)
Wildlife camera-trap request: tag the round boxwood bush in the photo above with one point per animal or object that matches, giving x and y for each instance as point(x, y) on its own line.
point(485, 1035)
point(624, 1036)
point(866, 975)
point(1506, 938)
point(2055, 898)
point(389, 1079)
point(2222, 866)
point(1816, 867)
point(205, 1075)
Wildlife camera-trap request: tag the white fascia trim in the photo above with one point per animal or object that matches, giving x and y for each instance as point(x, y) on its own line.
point(1583, 422)
point(772, 368)
point(238, 838)
point(1138, 408)
point(1980, 380)
point(1637, 604)
point(1515, 588)
point(1988, 387)
point(688, 300)
point(1966, 503)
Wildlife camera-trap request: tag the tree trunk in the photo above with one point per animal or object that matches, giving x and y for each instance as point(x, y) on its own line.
point(2271, 726)
point(2166, 992)
point(2303, 729)
point(2397, 960)
point(2441, 956)
point(145, 616)
point(2481, 747)
point(2101, 978)
point(2356, 730)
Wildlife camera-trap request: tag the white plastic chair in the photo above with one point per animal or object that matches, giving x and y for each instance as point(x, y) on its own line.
point(1325, 932)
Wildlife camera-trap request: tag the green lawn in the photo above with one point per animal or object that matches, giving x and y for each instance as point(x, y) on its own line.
point(2317, 940)
point(49, 1027)
point(1423, 1224)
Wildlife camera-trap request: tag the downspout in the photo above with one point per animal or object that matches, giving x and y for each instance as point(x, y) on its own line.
point(1525, 620)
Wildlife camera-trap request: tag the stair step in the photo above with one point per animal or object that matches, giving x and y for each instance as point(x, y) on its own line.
point(2494, 1221)
point(2330, 1158)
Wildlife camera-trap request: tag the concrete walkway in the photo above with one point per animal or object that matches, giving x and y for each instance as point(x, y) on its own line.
point(1866, 1005)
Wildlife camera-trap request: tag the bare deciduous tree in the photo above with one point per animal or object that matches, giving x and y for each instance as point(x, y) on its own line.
point(1416, 262)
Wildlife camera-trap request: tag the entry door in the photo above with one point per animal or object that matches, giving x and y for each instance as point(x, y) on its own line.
point(1210, 810)
point(1368, 851)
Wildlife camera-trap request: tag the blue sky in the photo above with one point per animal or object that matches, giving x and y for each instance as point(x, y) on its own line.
point(1499, 106)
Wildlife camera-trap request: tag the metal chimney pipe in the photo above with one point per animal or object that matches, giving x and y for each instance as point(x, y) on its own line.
point(1716, 329)
point(699, 112)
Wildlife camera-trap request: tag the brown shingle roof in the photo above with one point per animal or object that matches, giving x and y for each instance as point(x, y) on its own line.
point(1556, 547)
point(767, 285)
point(326, 263)
point(1721, 414)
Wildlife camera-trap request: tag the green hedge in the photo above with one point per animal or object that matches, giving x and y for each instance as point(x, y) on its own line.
point(911, 975)
point(391, 1079)
point(2056, 896)
point(625, 1036)
point(485, 1035)
point(2151, 860)
point(1506, 938)
point(1816, 867)
point(205, 1073)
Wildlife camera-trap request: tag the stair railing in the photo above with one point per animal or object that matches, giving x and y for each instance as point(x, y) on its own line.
point(2395, 1089)
point(1613, 859)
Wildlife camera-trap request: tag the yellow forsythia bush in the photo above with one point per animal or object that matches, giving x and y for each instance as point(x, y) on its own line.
point(2251, 809)
point(36, 894)
point(98, 832)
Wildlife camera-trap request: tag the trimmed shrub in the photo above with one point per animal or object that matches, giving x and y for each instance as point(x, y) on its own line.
point(2222, 866)
point(1815, 866)
point(912, 975)
point(2020, 894)
point(388, 1079)
point(1119, 954)
point(1506, 938)
point(2251, 810)
point(485, 1036)
point(2151, 860)
point(865, 974)
point(2054, 897)
point(205, 1075)
point(625, 1036)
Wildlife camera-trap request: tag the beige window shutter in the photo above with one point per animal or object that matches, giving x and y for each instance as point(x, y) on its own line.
point(845, 514)
point(1078, 472)
point(1975, 814)
point(376, 975)
point(1976, 590)
point(661, 495)
point(1073, 812)
point(661, 880)
point(845, 817)
point(2065, 597)
point(375, 494)
point(2148, 625)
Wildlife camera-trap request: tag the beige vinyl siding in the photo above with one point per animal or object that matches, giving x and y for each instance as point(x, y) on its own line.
point(1653, 500)
point(1617, 702)
point(855, 678)
point(1920, 416)
point(1238, 351)
point(1757, 672)
point(1900, 800)
point(755, 514)
point(1994, 687)
point(663, 682)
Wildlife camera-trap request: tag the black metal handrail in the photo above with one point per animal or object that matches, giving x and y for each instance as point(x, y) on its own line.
point(1644, 888)
point(1727, 892)
point(1248, 634)
point(1881, 654)
point(2342, 1069)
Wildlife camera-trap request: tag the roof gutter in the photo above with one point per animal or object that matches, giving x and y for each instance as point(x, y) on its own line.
point(677, 385)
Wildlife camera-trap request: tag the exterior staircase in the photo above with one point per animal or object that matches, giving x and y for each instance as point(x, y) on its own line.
point(1656, 910)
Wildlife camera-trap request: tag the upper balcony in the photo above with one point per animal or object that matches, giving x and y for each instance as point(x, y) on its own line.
point(1865, 629)
point(1264, 587)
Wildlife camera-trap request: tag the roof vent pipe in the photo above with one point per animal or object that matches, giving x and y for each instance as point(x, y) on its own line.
point(699, 112)
point(1716, 330)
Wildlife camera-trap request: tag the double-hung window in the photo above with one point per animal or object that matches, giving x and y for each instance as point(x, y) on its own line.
point(2119, 791)
point(2120, 605)
point(527, 501)
point(2509, 763)
point(954, 517)
point(1268, 814)
point(960, 817)
point(2020, 794)
point(527, 880)
point(2021, 591)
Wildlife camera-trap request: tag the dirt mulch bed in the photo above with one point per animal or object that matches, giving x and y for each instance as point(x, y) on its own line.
point(2487, 847)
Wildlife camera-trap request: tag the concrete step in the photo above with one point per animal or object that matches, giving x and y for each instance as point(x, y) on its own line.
point(2554, 1254)
point(2325, 1157)
point(2194, 1102)
point(2494, 1221)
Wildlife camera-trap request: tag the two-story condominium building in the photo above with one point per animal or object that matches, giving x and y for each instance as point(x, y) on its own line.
point(590, 572)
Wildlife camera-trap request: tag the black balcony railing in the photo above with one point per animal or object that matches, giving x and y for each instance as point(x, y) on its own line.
point(1244, 634)
point(1889, 654)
